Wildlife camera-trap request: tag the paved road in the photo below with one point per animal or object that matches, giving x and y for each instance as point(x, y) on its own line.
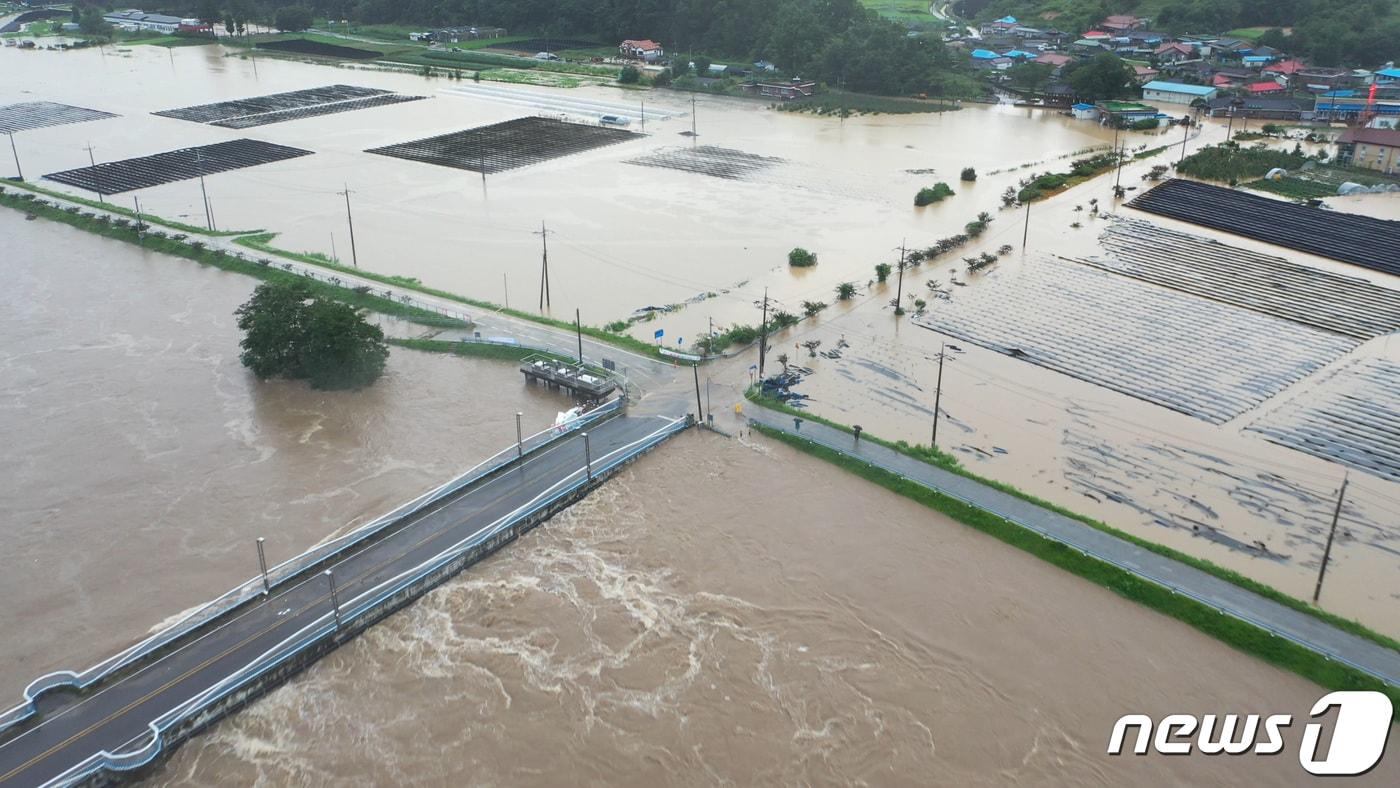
point(71, 730)
point(1283, 621)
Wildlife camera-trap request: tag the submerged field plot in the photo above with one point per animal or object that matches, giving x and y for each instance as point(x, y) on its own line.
point(709, 160)
point(280, 107)
point(1191, 355)
point(303, 46)
point(1360, 240)
point(1352, 417)
point(42, 114)
point(508, 145)
point(115, 177)
point(1342, 304)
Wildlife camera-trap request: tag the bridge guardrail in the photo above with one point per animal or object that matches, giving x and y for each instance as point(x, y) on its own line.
point(362, 604)
point(279, 574)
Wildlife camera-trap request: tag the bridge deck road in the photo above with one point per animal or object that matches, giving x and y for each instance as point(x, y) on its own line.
point(115, 717)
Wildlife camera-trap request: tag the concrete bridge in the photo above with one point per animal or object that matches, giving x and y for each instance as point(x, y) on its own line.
point(122, 715)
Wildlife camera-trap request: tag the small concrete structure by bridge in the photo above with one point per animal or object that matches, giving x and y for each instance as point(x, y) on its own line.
point(119, 717)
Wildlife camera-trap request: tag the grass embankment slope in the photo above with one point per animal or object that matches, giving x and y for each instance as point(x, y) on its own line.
point(1242, 636)
point(197, 251)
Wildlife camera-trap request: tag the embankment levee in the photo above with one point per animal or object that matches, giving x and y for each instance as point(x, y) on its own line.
point(1278, 633)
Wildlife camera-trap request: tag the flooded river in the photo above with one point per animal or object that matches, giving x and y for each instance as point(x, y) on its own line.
point(740, 615)
point(723, 612)
point(141, 460)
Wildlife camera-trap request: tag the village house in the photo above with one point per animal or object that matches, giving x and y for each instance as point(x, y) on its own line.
point(1372, 149)
point(1264, 88)
point(1054, 60)
point(1176, 92)
point(1320, 80)
point(1123, 22)
point(1173, 52)
point(641, 49)
point(133, 19)
point(779, 90)
point(1144, 74)
point(1263, 108)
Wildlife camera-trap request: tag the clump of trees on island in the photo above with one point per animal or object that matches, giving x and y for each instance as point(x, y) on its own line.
point(932, 194)
point(801, 258)
point(290, 333)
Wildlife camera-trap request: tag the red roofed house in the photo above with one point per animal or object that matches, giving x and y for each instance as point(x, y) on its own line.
point(1286, 67)
point(1094, 35)
point(1264, 88)
point(1054, 59)
point(641, 49)
point(1221, 81)
point(1374, 149)
point(1174, 52)
point(1145, 74)
point(1123, 22)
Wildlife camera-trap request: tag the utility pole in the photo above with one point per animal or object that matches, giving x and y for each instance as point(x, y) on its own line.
point(506, 284)
point(15, 151)
point(1185, 135)
point(644, 117)
point(334, 254)
point(140, 234)
point(350, 220)
point(699, 411)
point(693, 134)
point(1118, 178)
point(335, 599)
point(937, 395)
point(544, 266)
point(763, 335)
point(899, 288)
point(262, 564)
point(1026, 233)
point(710, 338)
point(199, 167)
point(1327, 551)
point(519, 440)
point(93, 161)
point(588, 457)
point(578, 329)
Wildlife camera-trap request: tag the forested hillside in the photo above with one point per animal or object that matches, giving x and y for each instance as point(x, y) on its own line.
point(835, 41)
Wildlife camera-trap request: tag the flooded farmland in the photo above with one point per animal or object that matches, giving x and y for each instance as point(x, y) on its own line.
point(707, 222)
point(723, 611)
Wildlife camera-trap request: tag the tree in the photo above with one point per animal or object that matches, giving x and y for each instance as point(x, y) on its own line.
point(968, 174)
point(629, 76)
point(208, 11)
point(91, 23)
point(810, 308)
point(801, 258)
point(882, 271)
point(933, 194)
point(288, 332)
point(845, 291)
point(1105, 76)
point(1030, 76)
point(293, 18)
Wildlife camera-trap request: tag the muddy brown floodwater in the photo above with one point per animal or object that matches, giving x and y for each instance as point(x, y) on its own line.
point(141, 461)
point(737, 614)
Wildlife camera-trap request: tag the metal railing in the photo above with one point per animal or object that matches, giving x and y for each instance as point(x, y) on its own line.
point(292, 567)
point(365, 603)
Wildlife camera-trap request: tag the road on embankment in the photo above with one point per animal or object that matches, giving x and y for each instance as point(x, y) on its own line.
point(115, 716)
point(1283, 621)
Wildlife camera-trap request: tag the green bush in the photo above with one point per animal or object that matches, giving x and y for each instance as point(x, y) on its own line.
point(932, 194)
point(801, 258)
point(968, 174)
point(1145, 124)
point(846, 291)
point(629, 76)
point(882, 271)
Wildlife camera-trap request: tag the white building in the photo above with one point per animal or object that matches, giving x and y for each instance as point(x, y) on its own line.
point(136, 19)
point(1176, 92)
